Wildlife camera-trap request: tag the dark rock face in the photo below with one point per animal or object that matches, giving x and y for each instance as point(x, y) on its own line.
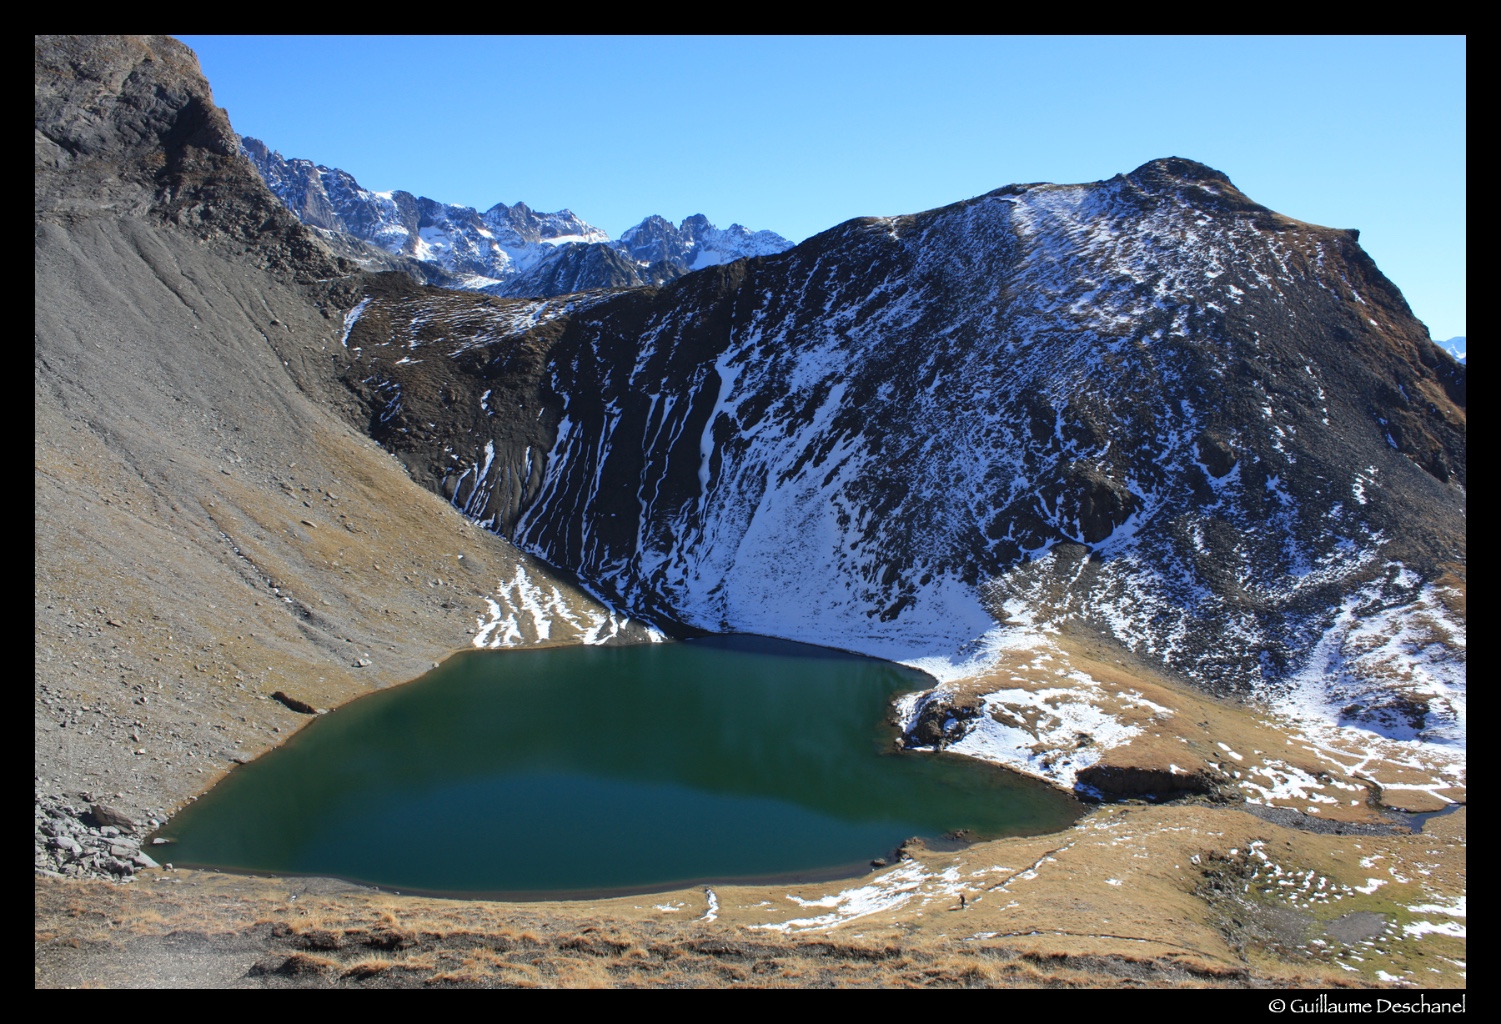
point(1148, 404)
point(656, 239)
point(1109, 782)
point(577, 267)
point(126, 126)
point(940, 719)
point(115, 111)
point(302, 707)
point(102, 815)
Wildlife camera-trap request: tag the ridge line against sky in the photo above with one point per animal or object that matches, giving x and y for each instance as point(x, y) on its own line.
point(797, 134)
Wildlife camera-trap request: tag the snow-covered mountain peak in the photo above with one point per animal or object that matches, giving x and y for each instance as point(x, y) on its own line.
point(507, 250)
point(696, 243)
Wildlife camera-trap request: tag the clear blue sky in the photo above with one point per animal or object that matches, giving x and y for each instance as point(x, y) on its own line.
point(798, 134)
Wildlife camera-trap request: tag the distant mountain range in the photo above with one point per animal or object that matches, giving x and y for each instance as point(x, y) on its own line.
point(1455, 347)
point(506, 250)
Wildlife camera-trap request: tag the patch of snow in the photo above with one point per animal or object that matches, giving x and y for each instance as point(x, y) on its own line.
point(1037, 731)
point(351, 318)
point(1417, 929)
point(1455, 909)
point(894, 889)
point(531, 612)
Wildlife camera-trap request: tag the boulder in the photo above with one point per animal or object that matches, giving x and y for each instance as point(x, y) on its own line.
point(299, 706)
point(103, 816)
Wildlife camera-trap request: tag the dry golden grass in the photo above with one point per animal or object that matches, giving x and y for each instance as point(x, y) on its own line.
point(307, 963)
point(368, 967)
point(1122, 899)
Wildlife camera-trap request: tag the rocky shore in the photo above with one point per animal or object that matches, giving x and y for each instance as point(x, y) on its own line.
point(87, 839)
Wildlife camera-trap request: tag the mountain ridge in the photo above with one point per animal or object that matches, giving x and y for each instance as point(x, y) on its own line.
point(1154, 351)
point(506, 250)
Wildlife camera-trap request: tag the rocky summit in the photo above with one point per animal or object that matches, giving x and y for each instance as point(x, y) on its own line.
point(507, 250)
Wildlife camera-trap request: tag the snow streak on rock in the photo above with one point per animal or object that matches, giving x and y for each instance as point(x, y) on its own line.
point(527, 614)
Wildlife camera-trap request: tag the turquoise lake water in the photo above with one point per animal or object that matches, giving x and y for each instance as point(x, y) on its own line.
point(579, 770)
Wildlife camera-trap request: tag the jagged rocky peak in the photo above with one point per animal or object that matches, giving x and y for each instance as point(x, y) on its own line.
point(328, 198)
point(1145, 406)
point(696, 243)
point(529, 226)
point(507, 250)
point(653, 239)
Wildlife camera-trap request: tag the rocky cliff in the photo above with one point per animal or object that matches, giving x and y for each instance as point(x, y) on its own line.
point(208, 530)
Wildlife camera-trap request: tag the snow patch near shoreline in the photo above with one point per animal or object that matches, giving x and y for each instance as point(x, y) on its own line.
point(530, 612)
point(980, 654)
point(1052, 731)
point(905, 883)
point(1038, 731)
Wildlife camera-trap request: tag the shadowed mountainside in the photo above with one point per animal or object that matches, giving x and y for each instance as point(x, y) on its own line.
point(1146, 405)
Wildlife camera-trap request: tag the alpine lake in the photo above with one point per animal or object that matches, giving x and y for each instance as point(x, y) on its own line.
point(574, 771)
